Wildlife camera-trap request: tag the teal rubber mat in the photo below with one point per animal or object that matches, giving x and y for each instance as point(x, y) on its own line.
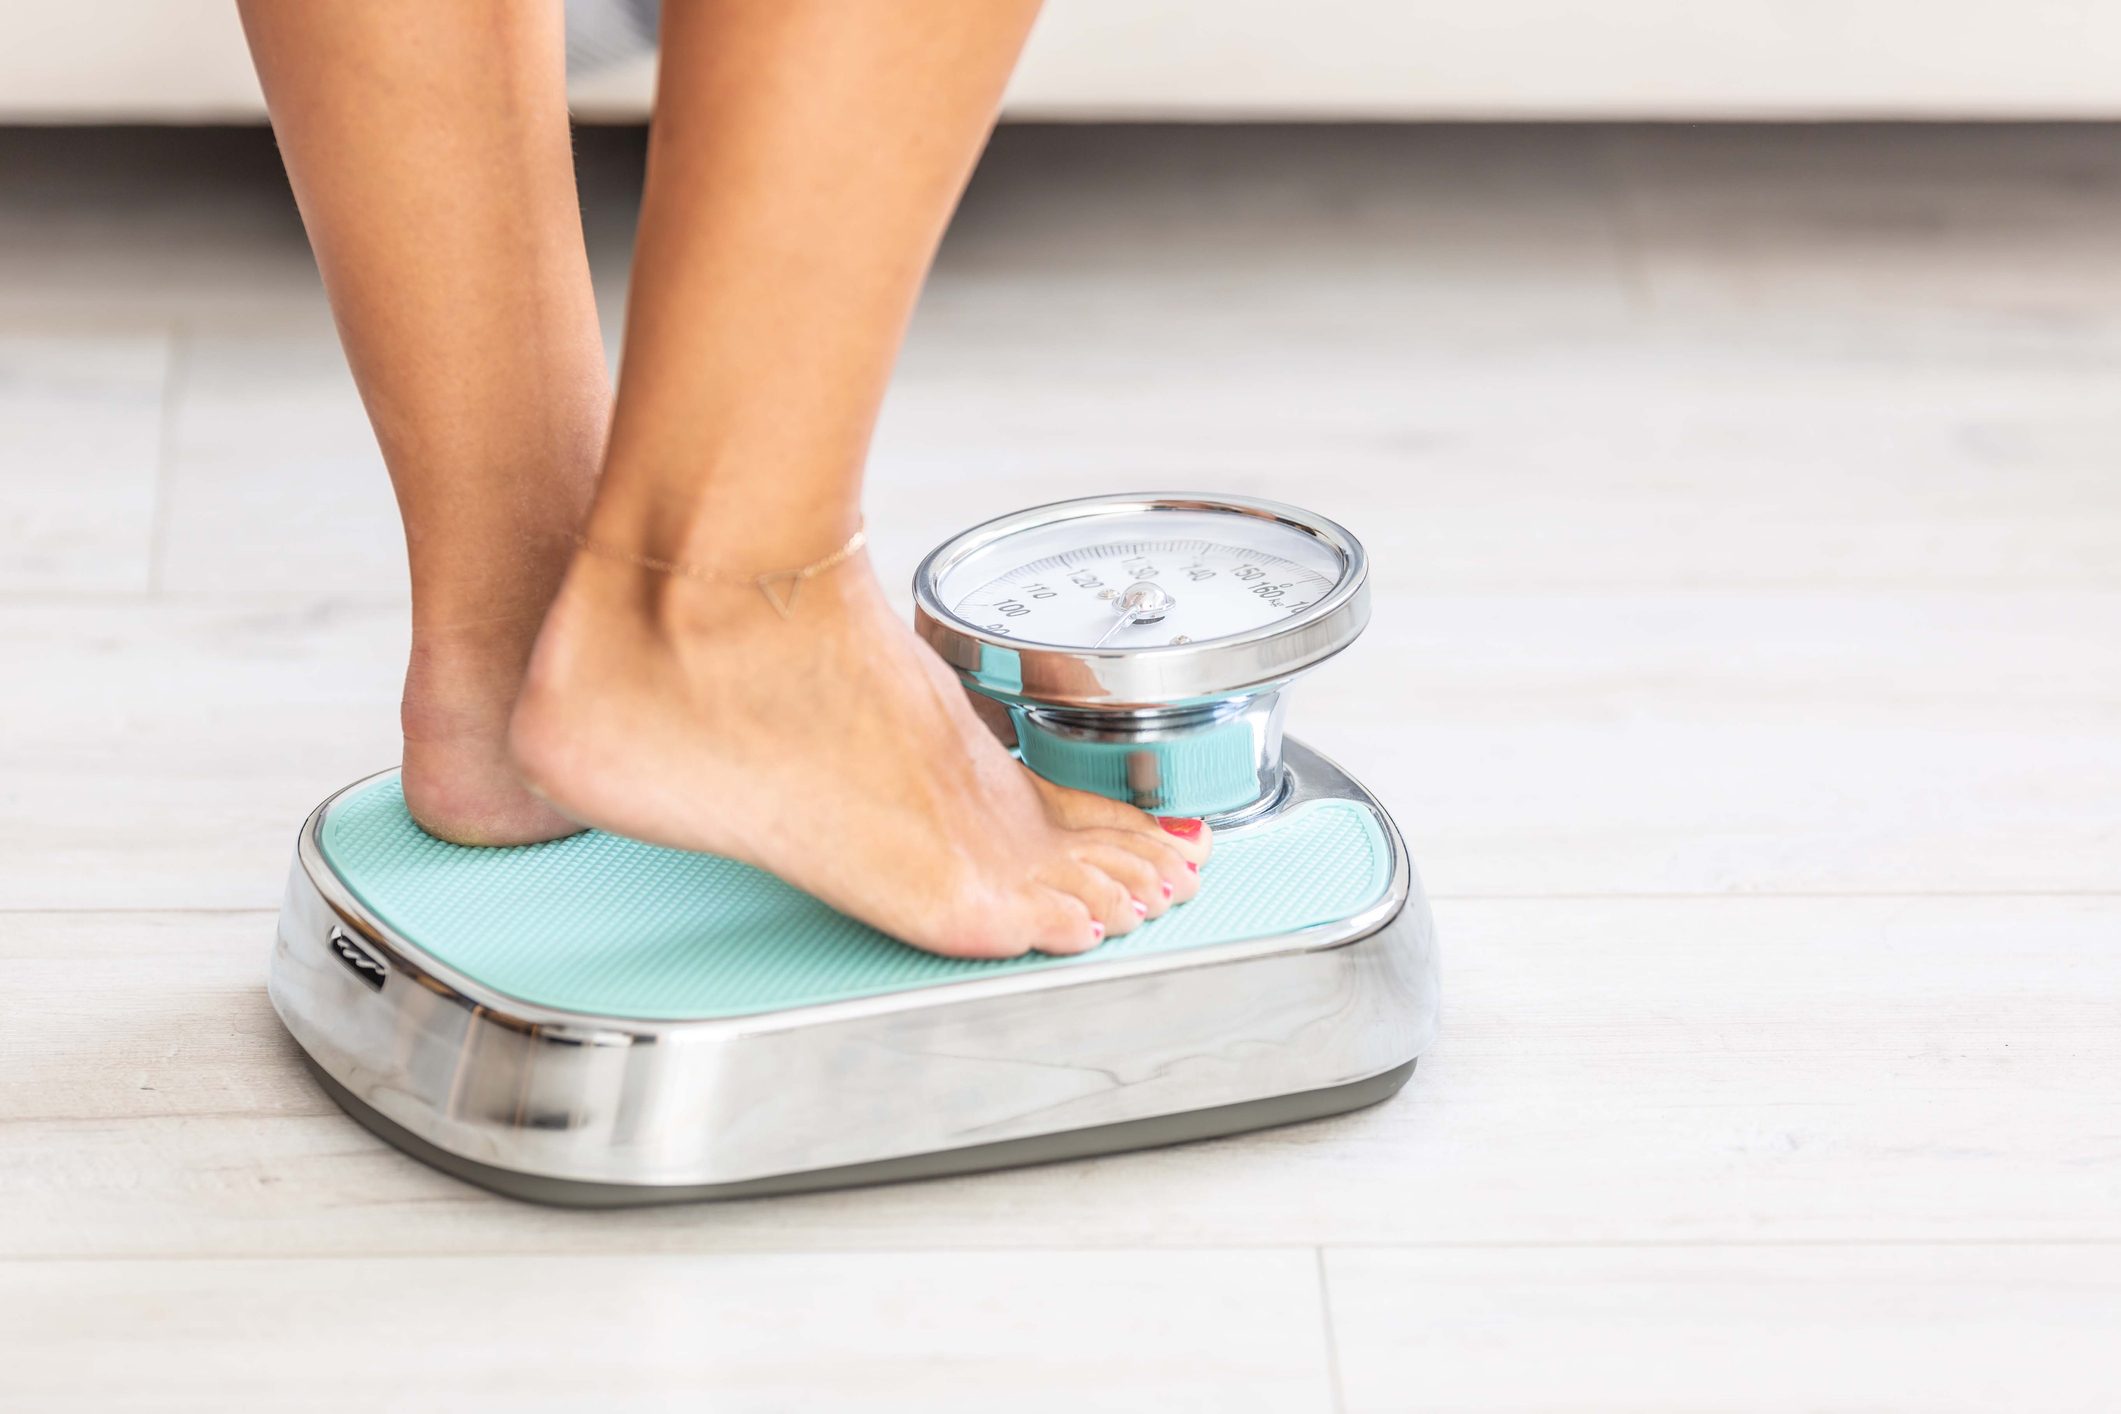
point(612, 927)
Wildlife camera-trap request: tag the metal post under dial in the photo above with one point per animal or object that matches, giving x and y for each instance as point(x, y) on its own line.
point(1072, 615)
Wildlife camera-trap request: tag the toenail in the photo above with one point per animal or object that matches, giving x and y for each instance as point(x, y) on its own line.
point(1141, 910)
point(1167, 888)
point(1185, 829)
point(1097, 930)
point(1194, 867)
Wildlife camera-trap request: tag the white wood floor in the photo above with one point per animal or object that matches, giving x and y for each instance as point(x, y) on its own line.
point(1746, 675)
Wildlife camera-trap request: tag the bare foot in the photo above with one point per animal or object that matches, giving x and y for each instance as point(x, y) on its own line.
point(1080, 809)
point(833, 749)
point(459, 783)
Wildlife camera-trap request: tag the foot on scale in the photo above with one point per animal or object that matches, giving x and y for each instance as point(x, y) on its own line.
point(603, 1019)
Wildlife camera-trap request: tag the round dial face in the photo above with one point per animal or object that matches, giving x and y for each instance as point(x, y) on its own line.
point(1140, 579)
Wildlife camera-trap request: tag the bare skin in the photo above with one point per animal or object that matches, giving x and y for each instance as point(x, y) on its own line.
point(429, 151)
point(805, 158)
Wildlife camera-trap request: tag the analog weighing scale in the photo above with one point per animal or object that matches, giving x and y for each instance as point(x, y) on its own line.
point(598, 1022)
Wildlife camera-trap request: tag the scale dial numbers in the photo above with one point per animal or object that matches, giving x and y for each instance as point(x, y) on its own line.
point(1134, 603)
point(1145, 593)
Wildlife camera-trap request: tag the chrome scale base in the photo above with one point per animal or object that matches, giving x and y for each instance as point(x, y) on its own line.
point(987, 1072)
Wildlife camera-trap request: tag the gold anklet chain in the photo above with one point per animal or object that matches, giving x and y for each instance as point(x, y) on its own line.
point(778, 587)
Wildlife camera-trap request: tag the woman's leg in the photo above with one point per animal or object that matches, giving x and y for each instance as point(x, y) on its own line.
point(805, 158)
point(429, 150)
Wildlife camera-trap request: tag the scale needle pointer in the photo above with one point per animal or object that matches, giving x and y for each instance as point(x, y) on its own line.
point(1119, 623)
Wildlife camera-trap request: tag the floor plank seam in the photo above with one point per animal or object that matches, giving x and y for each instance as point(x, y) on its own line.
point(1334, 1379)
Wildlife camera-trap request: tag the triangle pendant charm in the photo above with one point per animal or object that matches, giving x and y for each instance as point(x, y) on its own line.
point(780, 590)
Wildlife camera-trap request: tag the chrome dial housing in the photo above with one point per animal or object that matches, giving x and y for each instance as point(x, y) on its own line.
point(1141, 641)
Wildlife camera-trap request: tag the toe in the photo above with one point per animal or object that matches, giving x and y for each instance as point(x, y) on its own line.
point(1059, 922)
point(1080, 810)
point(1035, 918)
point(1106, 897)
point(1191, 837)
point(1178, 879)
point(1147, 893)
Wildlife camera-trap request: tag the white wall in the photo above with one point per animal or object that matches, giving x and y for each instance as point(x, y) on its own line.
point(183, 60)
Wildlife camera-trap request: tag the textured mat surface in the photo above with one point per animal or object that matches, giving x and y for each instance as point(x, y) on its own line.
point(609, 926)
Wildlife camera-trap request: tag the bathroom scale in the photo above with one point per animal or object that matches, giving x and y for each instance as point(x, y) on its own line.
point(598, 1022)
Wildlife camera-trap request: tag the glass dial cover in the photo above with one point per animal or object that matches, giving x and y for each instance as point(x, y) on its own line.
point(1141, 579)
point(1158, 598)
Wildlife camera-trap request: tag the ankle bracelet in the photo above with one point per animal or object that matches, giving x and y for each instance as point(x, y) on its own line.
point(778, 587)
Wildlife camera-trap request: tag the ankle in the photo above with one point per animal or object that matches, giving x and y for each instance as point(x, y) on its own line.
point(610, 592)
point(462, 678)
point(724, 526)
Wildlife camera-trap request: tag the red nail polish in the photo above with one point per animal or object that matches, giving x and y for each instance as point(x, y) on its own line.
point(1184, 828)
point(1141, 910)
point(1167, 888)
point(1097, 929)
point(1194, 867)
